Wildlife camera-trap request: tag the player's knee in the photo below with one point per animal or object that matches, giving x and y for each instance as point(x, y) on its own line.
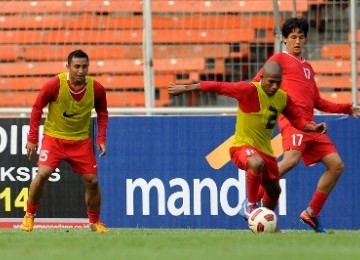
point(43, 175)
point(92, 183)
point(256, 164)
point(338, 169)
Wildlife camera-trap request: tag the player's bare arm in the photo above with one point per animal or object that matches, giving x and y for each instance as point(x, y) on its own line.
point(178, 89)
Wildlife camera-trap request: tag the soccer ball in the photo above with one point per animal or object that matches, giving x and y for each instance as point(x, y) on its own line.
point(262, 220)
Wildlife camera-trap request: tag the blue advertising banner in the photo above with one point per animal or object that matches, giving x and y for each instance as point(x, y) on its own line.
point(173, 172)
point(157, 175)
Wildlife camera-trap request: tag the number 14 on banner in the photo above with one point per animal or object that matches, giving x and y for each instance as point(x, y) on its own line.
point(19, 202)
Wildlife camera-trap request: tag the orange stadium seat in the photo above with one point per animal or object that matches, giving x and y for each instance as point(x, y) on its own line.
point(157, 6)
point(36, 21)
point(95, 52)
point(99, 52)
point(132, 81)
point(108, 81)
point(131, 99)
point(22, 98)
point(335, 81)
point(60, 6)
point(337, 51)
point(22, 83)
point(196, 21)
point(338, 97)
point(331, 66)
point(129, 36)
point(195, 50)
point(229, 6)
point(15, 69)
point(91, 21)
point(120, 66)
point(115, 99)
point(204, 36)
point(10, 52)
point(36, 37)
point(17, 99)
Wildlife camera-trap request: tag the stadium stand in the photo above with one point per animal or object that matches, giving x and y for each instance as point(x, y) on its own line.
point(192, 40)
point(157, 6)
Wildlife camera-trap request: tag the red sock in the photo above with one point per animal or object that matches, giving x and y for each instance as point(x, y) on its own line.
point(317, 202)
point(252, 184)
point(32, 209)
point(260, 193)
point(93, 215)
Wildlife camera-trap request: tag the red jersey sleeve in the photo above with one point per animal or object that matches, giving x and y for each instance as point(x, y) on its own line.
point(293, 114)
point(101, 111)
point(238, 90)
point(47, 94)
point(244, 92)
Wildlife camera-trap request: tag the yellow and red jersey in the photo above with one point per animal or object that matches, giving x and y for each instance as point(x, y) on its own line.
point(257, 112)
point(69, 113)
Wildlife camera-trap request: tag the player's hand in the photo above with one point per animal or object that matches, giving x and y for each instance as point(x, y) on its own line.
point(178, 89)
point(102, 149)
point(321, 128)
point(30, 149)
point(355, 111)
point(175, 89)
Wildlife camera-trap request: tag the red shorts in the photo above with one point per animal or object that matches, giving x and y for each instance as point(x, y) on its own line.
point(314, 146)
point(79, 154)
point(239, 157)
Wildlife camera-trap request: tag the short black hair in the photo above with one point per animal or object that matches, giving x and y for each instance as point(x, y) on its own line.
point(77, 54)
point(295, 23)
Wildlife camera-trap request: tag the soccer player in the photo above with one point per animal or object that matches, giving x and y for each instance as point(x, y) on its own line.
point(259, 105)
point(299, 83)
point(71, 96)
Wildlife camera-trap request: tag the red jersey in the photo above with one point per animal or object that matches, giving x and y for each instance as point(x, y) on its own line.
point(49, 93)
point(298, 82)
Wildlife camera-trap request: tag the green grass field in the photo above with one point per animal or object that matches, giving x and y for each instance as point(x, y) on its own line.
point(176, 244)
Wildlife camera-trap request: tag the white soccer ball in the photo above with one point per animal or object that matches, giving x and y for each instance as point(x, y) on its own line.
point(262, 220)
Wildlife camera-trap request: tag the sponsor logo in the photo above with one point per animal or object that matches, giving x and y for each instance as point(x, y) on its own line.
point(180, 197)
point(65, 114)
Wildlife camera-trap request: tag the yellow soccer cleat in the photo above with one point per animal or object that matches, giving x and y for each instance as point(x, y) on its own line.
point(28, 222)
point(99, 227)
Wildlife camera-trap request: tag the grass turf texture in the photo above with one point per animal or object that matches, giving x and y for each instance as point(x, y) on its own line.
point(176, 244)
